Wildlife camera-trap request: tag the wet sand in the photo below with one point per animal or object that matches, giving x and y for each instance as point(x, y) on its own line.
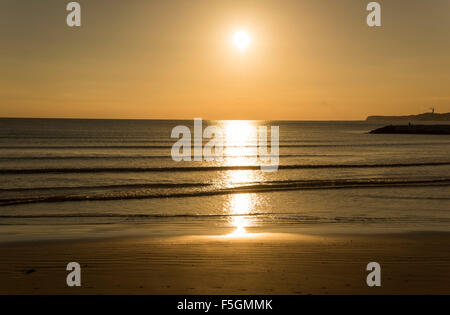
point(413, 263)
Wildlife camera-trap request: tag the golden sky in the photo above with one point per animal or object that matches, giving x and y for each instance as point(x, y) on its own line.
point(175, 59)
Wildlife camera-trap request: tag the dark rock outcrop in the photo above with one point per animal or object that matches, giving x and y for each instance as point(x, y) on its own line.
point(414, 129)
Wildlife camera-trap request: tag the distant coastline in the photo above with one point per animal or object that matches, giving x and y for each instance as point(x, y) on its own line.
point(412, 118)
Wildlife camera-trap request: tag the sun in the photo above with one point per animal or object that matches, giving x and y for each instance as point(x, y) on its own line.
point(242, 40)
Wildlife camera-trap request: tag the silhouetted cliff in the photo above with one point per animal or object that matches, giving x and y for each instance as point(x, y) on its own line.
point(420, 117)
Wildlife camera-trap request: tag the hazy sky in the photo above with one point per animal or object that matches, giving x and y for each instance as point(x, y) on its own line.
point(314, 59)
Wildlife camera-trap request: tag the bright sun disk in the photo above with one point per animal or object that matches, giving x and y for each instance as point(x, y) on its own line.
point(241, 40)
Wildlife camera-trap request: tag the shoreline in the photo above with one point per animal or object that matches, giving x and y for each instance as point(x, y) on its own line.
point(271, 263)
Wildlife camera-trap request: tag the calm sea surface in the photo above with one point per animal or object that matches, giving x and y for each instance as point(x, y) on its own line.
point(94, 178)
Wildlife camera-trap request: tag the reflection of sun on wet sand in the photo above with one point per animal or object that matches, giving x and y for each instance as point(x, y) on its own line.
point(240, 204)
point(241, 235)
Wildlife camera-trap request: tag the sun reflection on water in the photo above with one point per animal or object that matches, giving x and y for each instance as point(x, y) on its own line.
point(240, 140)
point(240, 149)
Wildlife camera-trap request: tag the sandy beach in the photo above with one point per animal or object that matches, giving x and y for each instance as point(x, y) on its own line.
point(412, 263)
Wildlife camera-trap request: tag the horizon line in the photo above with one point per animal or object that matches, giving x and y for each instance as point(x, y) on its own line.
point(179, 119)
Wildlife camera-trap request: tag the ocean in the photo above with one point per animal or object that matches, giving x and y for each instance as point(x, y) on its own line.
point(75, 178)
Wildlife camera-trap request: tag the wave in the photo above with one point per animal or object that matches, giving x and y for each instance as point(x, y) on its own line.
point(125, 186)
point(279, 217)
point(209, 168)
point(137, 147)
point(241, 184)
point(253, 188)
point(118, 157)
point(409, 198)
point(118, 215)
